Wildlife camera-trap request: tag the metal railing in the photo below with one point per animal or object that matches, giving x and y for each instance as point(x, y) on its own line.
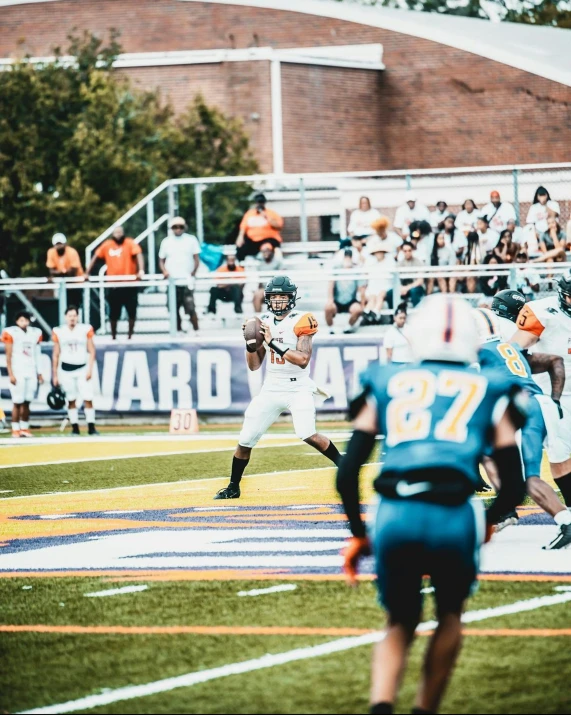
point(301, 196)
point(313, 282)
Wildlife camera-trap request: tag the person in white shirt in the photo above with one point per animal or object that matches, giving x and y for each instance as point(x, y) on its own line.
point(438, 216)
point(527, 280)
point(542, 208)
point(381, 270)
point(488, 237)
point(362, 218)
point(467, 218)
point(22, 345)
point(73, 359)
point(359, 252)
point(498, 212)
point(442, 255)
point(396, 340)
point(422, 238)
point(381, 232)
point(410, 211)
point(517, 232)
point(179, 259)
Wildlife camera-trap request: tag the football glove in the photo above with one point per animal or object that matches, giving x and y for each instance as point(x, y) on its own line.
point(356, 548)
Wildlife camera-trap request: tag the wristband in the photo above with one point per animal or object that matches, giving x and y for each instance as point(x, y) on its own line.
point(279, 351)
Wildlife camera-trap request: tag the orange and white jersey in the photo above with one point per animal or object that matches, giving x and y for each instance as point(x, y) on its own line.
point(26, 350)
point(73, 343)
point(279, 372)
point(545, 319)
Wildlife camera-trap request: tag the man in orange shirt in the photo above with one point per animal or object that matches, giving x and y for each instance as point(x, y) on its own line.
point(63, 260)
point(259, 225)
point(227, 292)
point(123, 257)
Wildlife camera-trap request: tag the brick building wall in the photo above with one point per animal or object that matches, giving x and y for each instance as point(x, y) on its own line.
point(434, 106)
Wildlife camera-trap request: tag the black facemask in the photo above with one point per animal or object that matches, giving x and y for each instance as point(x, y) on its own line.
point(60, 250)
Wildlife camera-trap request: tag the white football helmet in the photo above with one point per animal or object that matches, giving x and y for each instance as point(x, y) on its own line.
point(443, 328)
point(488, 325)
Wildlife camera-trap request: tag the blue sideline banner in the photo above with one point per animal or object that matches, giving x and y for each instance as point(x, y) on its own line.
point(210, 376)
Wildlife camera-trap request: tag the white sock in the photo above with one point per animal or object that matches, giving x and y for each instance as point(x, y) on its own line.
point(24, 425)
point(73, 415)
point(90, 415)
point(15, 426)
point(563, 517)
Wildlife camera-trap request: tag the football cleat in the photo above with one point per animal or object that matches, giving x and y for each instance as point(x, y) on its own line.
point(92, 430)
point(562, 540)
point(232, 491)
point(483, 487)
point(510, 519)
point(75, 430)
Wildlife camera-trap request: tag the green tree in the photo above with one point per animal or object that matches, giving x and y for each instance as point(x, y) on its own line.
point(543, 12)
point(78, 147)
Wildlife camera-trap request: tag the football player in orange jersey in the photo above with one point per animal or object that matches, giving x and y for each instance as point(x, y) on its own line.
point(288, 342)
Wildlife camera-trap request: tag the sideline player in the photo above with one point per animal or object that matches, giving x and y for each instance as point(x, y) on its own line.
point(546, 323)
point(288, 338)
point(73, 359)
point(542, 415)
point(438, 416)
point(22, 342)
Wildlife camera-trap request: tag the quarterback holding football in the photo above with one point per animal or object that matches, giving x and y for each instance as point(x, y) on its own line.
point(284, 338)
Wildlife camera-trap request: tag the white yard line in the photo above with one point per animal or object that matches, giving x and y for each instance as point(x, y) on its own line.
point(136, 456)
point(270, 661)
point(116, 591)
point(163, 484)
point(272, 589)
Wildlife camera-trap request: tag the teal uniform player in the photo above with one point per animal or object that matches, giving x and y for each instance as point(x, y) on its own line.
point(439, 416)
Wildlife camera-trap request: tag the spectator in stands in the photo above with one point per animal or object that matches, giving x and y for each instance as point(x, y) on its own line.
point(381, 233)
point(228, 292)
point(345, 295)
point(474, 256)
point(270, 260)
point(422, 238)
point(488, 238)
point(552, 243)
point(359, 251)
point(453, 237)
point(527, 280)
point(410, 211)
point(542, 208)
point(466, 219)
point(442, 255)
point(505, 250)
point(517, 232)
point(498, 212)
point(411, 288)
point(381, 270)
point(489, 283)
point(396, 340)
point(438, 216)
point(179, 258)
point(362, 218)
point(123, 257)
point(259, 225)
point(62, 260)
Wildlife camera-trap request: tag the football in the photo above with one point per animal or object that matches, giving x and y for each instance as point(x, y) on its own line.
point(253, 334)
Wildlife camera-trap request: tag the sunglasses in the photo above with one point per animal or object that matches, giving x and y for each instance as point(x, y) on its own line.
point(177, 226)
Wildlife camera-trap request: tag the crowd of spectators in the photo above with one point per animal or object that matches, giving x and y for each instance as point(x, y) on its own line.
point(373, 250)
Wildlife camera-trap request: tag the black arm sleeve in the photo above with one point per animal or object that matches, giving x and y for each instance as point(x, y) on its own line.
point(358, 450)
point(512, 489)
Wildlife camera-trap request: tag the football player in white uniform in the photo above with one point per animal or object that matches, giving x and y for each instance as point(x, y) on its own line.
point(288, 337)
point(22, 342)
point(73, 359)
point(546, 323)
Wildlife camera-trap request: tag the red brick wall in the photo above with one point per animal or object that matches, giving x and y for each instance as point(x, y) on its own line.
point(434, 106)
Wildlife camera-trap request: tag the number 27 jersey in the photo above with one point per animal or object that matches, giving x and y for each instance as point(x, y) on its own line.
point(437, 414)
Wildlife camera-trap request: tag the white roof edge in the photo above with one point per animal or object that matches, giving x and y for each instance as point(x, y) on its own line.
point(409, 24)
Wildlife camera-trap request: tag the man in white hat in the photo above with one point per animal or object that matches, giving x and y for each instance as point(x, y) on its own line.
point(411, 210)
point(179, 259)
point(62, 260)
point(381, 268)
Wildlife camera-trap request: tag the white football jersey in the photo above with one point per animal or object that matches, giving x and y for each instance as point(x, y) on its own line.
point(25, 349)
point(286, 332)
point(73, 343)
point(552, 326)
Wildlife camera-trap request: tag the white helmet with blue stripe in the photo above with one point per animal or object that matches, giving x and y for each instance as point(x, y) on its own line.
point(488, 324)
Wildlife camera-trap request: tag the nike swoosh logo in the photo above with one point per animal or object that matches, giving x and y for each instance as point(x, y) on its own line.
point(408, 490)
